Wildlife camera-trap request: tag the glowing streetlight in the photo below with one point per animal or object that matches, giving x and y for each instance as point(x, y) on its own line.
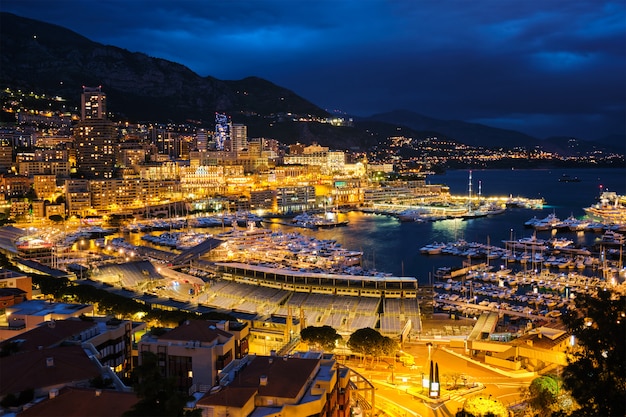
point(430, 346)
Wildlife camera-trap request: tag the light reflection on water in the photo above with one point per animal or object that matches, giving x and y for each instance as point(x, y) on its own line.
point(391, 246)
point(394, 247)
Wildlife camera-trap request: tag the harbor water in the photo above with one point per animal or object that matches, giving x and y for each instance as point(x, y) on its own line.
point(391, 246)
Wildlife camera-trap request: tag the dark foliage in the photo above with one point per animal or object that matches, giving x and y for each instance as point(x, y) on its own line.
point(596, 373)
point(324, 336)
point(12, 400)
point(158, 394)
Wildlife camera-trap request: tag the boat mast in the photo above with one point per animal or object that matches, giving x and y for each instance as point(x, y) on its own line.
point(469, 199)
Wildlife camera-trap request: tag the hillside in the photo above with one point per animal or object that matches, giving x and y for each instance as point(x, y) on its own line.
point(53, 60)
point(56, 61)
point(469, 133)
point(479, 135)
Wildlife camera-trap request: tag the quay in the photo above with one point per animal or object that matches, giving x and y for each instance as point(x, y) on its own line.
point(451, 207)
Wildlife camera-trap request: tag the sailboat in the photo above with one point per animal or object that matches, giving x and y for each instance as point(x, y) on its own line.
point(483, 210)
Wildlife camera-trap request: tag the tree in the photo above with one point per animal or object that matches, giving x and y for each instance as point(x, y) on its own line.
point(596, 370)
point(323, 337)
point(57, 218)
point(158, 394)
point(545, 396)
point(481, 405)
point(541, 394)
point(370, 342)
point(389, 346)
point(453, 378)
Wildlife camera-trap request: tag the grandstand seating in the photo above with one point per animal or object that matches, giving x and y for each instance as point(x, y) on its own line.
point(129, 274)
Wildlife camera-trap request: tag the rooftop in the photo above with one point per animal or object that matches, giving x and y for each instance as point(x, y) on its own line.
point(270, 376)
point(196, 330)
point(46, 368)
point(43, 308)
point(76, 402)
point(49, 334)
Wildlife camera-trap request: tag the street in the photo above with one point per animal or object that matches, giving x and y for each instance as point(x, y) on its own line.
point(395, 386)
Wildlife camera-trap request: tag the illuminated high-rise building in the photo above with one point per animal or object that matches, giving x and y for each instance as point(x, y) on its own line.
point(238, 137)
point(222, 131)
point(95, 137)
point(202, 140)
point(93, 103)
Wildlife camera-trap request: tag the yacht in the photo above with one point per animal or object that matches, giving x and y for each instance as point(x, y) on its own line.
point(433, 248)
point(560, 243)
point(612, 237)
point(529, 243)
point(548, 223)
point(611, 208)
point(315, 221)
point(573, 224)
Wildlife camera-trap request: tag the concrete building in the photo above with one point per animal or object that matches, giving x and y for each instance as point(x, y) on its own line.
point(12, 279)
point(30, 314)
point(45, 186)
point(6, 156)
point(295, 199)
point(303, 384)
point(112, 339)
point(196, 351)
point(57, 168)
point(77, 197)
point(14, 185)
point(330, 162)
point(238, 137)
point(202, 140)
point(95, 137)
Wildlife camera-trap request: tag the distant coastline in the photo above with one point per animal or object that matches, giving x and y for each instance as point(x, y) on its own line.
point(618, 163)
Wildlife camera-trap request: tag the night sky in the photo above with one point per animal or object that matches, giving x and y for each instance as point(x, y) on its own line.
point(543, 67)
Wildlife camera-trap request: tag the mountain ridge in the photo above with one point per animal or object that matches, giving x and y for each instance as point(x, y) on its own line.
point(474, 134)
point(48, 58)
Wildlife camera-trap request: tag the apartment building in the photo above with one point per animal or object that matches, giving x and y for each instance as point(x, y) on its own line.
point(196, 351)
point(77, 197)
point(295, 199)
point(30, 314)
point(12, 279)
point(303, 384)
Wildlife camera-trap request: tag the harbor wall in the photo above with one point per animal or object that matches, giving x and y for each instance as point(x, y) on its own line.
point(503, 363)
point(545, 356)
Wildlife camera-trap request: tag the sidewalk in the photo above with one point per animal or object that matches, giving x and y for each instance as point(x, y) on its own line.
point(437, 331)
point(417, 393)
point(505, 372)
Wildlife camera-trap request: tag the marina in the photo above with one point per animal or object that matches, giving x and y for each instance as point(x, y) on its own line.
point(393, 269)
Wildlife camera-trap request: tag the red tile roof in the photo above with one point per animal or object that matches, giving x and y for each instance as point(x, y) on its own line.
point(285, 378)
point(200, 330)
point(32, 370)
point(49, 334)
point(77, 402)
point(230, 396)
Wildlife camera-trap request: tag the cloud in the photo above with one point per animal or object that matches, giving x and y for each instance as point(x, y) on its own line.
point(545, 68)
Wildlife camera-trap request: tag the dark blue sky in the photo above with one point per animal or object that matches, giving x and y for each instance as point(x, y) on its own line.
point(543, 67)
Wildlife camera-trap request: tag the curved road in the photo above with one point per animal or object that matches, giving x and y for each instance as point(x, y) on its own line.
point(394, 386)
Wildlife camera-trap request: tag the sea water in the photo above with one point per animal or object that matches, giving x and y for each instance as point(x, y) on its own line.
point(391, 246)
